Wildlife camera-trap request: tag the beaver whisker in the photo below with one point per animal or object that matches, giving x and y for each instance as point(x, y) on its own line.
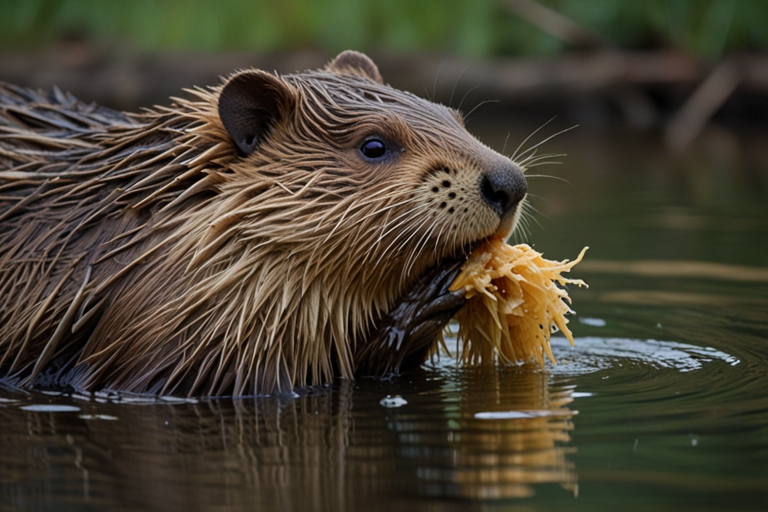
point(410, 211)
point(523, 230)
point(409, 228)
point(419, 247)
point(387, 224)
point(560, 178)
point(468, 114)
point(394, 195)
point(348, 203)
point(465, 96)
point(401, 242)
point(372, 237)
point(376, 239)
point(434, 82)
point(533, 158)
point(528, 210)
point(375, 212)
point(545, 163)
point(542, 160)
point(401, 220)
point(522, 162)
point(506, 139)
point(413, 230)
point(534, 132)
point(437, 242)
point(392, 225)
point(453, 91)
point(547, 139)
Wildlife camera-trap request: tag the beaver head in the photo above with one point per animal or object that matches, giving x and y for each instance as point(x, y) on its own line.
point(288, 216)
point(380, 186)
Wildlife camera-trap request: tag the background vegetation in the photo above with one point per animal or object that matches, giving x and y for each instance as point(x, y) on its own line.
point(472, 28)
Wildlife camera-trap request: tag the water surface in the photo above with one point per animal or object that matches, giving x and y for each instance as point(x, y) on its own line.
point(662, 404)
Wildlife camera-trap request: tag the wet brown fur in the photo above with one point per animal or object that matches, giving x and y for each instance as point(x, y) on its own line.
point(142, 252)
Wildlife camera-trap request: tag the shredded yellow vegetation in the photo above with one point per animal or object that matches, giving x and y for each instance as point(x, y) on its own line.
point(514, 306)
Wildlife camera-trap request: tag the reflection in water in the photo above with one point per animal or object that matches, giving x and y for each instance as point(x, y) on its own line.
point(669, 425)
point(501, 433)
point(282, 454)
point(312, 452)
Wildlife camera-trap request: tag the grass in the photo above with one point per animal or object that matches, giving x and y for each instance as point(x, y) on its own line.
point(473, 28)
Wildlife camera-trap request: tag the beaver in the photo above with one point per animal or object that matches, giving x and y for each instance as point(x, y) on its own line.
point(269, 233)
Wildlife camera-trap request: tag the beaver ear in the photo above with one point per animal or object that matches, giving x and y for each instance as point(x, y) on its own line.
point(355, 63)
point(250, 103)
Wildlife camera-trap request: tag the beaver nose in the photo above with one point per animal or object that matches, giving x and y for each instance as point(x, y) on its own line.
point(503, 187)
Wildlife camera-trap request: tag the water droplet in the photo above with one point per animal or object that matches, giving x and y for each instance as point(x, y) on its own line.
point(593, 322)
point(393, 401)
point(106, 417)
point(50, 408)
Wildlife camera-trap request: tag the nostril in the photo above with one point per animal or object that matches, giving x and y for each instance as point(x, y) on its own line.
point(498, 199)
point(502, 189)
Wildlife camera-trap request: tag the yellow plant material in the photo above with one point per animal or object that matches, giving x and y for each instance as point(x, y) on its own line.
point(514, 306)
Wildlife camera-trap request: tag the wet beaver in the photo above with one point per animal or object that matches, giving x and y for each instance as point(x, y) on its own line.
point(273, 232)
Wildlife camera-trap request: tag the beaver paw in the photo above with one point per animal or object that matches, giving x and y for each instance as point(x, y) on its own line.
point(402, 339)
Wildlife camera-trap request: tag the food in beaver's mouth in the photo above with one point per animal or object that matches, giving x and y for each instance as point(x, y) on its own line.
point(514, 304)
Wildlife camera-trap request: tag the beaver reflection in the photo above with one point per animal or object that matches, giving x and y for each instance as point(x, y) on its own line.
point(504, 432)
point(337, 449)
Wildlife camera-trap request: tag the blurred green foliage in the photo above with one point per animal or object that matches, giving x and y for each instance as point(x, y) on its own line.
point(473, 28)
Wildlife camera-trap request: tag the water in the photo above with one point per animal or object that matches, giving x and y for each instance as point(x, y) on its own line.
point(662, 404)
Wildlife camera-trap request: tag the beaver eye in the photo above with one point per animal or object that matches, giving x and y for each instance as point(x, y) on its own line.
point(373, 148)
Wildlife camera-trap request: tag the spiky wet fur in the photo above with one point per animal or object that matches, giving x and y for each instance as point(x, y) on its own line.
point(140, 252)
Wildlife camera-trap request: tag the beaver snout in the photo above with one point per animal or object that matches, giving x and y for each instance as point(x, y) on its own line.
point(503, 187)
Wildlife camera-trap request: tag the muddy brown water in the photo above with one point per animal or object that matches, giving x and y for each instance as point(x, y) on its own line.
point(662, 404)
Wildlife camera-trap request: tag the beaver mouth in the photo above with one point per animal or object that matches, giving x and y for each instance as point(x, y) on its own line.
point(447, 265)
point(472, 246)
point(404, 337)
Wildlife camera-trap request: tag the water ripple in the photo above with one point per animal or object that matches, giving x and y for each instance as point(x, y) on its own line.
point(591, 354)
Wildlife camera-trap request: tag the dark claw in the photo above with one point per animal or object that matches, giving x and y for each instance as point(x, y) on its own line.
point(448, 303)
point(403, 338)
